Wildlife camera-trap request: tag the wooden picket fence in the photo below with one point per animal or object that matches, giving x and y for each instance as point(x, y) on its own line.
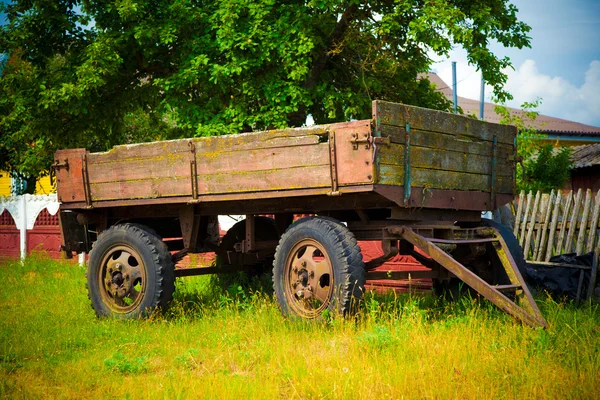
point(558, 223)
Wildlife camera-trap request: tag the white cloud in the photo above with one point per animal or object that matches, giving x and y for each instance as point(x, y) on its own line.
point(560, 98)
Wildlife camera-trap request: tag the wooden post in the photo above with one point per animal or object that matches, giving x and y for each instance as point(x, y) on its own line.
point(522, 236)
point(519, 210)
point(573, 222)
point(593, 225)
point(541, 242)
point(563, 227)
point(526, 249)
point(553, 225)
point(584, 219)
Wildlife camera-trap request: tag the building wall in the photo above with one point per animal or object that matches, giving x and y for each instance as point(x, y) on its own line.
point(4, 184)
point(584, 178)
point(43, 185)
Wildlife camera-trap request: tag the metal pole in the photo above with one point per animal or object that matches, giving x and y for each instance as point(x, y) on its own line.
point(454, 95)
point(481, 101)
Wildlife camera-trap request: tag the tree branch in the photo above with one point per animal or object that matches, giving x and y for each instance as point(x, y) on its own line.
point(338, 34)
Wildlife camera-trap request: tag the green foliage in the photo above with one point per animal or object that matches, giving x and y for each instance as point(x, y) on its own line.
point(126, 365)
point(94, 73)
point(542, 167)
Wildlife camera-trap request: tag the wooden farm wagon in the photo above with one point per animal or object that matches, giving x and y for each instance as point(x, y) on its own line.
point(409, 177)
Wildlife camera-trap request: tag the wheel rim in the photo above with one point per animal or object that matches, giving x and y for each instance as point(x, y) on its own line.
point(308, 278)
point(122, 279)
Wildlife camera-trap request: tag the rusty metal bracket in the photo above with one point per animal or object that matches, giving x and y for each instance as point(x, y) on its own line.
point(190, 225)
point(86, 182)
point(250, 234)
point(57, 165)
point(528, 311)
point(333, 163)
point(407, 181)
point(193, 170)
point(369, 141)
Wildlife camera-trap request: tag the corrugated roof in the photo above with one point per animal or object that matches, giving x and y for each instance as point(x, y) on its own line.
point(585, 156)
point(543, 123)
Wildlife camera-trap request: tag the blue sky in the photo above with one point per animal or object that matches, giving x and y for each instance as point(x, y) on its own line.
point(562, 67)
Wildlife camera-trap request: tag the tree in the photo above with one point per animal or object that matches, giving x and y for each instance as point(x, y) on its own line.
point(79, 72)
point(542, 167)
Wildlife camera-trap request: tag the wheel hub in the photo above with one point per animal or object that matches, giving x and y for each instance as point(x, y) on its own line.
point(124, 279)
point(309, 278)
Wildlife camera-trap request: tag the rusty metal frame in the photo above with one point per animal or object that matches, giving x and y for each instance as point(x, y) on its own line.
point(527, 311)
point(493, 199)
point(390, 249)
point(332, 158)
point(407, 180)
point(193, 170)
point(249, 242)
point(190, 225)
point(86, 182)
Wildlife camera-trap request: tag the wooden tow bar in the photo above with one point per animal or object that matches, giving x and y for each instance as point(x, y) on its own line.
point(526, 311)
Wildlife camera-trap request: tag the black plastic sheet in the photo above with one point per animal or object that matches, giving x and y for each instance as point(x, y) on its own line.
point(561, 281)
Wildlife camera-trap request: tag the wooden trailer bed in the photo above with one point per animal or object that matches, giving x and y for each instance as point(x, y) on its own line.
point(412, 156)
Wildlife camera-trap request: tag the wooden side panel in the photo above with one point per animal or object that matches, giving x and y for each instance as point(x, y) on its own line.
point(446, 151)
point(233, 164)
point(443, 141)
point(447, 180)
point(443, 122)
point(443, 160)
point(69, 175)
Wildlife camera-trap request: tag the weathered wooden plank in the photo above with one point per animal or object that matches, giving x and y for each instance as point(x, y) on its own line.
point(519, 211)
point(525, 216)
point(210, 146)
point(437, 140)
point(441, 159)
point(553, 224)
point(265, 159)
point(541, 242)
point(526, 248)
point(439, 121)
point(564, 219)
point(438, 179)
point(584, 220)
point(594, 224)
point(268, 180)
point(178, 165)
point(159, 167)
point(141, 189)
point(234, 182)
point(574, 218)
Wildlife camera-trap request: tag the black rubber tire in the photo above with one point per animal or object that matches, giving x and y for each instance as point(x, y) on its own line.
point(156, 260)
point(454, 288)
point(347, 264)
point(264, 229)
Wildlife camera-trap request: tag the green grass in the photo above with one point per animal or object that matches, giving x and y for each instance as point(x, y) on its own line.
point(215, 343)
